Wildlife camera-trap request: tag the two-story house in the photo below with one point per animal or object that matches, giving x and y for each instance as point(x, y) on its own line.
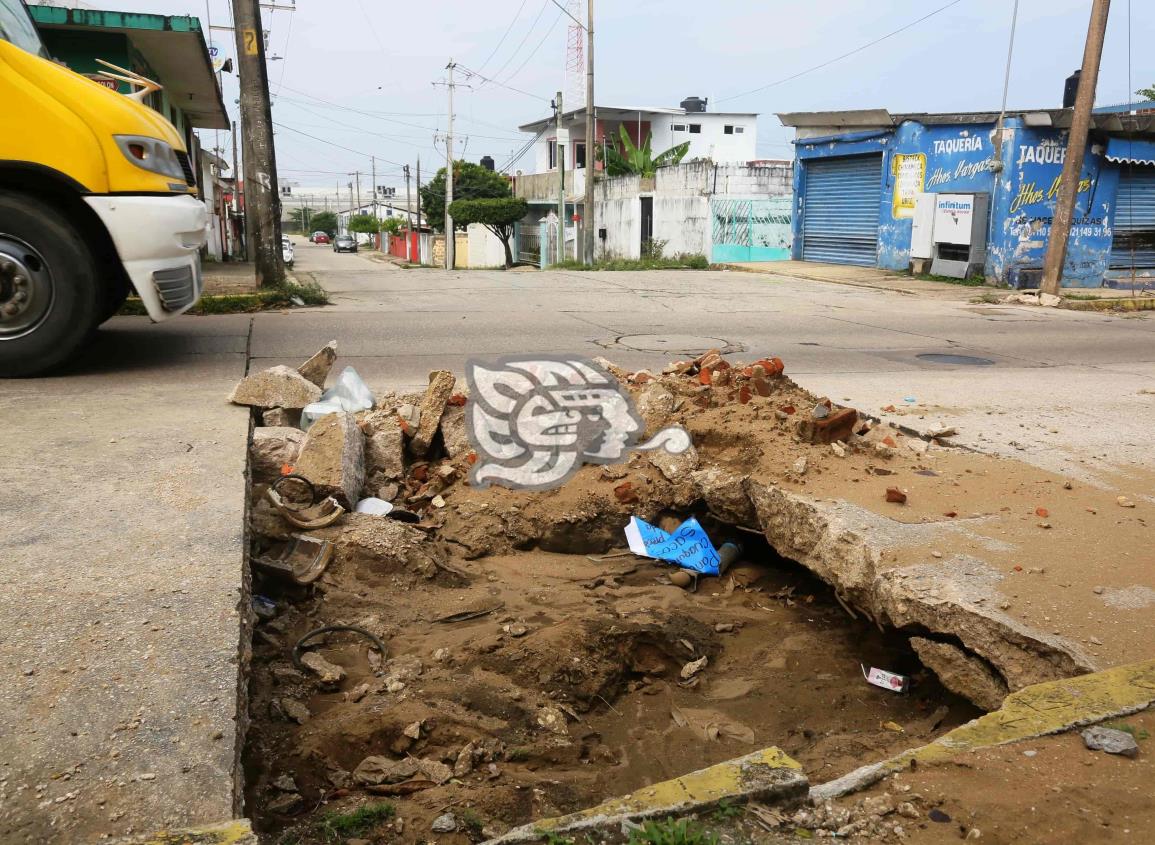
point(722, 137)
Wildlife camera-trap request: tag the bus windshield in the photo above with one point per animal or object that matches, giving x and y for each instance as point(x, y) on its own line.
point(16, 27)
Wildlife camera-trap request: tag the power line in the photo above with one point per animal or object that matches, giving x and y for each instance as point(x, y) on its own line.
point(544, 38)
point(469, 72)
point(508, 30)
point(332, 144)
point(843, 56)
point(524, 38)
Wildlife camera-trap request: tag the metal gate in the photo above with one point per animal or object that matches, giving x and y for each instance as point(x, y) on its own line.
point(1133, 245)
point(840, 202)
point(529, 243)
point(750, 229)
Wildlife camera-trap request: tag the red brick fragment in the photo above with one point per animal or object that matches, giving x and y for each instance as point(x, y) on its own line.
point(744, 394)
point(838, 426)
point(893, 494)
point(625, 493)
point(457, 399)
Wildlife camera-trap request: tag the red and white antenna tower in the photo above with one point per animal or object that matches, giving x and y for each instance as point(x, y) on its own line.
point(575, 58)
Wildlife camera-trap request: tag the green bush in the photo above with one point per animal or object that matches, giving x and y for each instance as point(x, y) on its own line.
point(682, 261)
point(337, 827)
point(671, 831)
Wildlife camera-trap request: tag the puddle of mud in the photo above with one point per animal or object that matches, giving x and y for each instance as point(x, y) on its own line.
point(602, 642)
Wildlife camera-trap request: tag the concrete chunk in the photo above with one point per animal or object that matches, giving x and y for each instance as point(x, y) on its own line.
point(432, 406)
point(962, 673)
point(453, 431)
point(384, 449)
point(332, 456)
point(1099, 738)
point(277, 387)
point(316, 369)
point(272, 448)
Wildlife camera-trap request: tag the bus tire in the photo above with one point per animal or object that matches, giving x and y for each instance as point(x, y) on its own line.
point(50, 297)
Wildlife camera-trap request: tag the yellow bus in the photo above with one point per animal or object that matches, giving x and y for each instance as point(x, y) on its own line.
point(97, 199)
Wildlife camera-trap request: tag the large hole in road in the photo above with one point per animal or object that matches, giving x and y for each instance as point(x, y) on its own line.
point(529, 669)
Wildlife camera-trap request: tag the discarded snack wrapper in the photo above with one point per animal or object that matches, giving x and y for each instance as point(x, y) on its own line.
point(689, 547)
point(886, 680)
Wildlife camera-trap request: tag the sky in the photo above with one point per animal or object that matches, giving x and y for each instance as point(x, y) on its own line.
point(342, 59)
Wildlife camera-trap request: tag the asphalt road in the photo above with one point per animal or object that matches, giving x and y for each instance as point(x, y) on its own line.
point(1062, 389)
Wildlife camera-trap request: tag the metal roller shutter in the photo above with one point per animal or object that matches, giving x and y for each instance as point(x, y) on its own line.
point(1134, 240)
point(840, 210)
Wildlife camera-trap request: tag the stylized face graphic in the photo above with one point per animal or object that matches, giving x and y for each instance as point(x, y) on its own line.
point(535, 421)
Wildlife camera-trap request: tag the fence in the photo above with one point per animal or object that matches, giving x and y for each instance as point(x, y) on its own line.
point(751, 229)
point(529, 243)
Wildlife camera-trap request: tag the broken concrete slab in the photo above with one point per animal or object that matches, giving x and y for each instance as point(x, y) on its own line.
point(432, 406)
point(332, 456)
point(273, 448)
point(317, 368)
point(281, 418)
point(1037, 710)
point(768, 776)
point(453, 432)
point(276, 387)
point(384, 450)
point(962, 673)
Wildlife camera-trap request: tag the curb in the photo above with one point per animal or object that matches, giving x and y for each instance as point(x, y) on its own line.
point(766, 775)
point(1034, 711)
point(236, 832)
point(1122, 303)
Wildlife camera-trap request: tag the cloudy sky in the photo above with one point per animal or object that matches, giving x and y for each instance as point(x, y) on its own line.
point(358, 75)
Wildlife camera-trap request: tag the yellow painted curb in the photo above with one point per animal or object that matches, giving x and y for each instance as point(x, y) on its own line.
point(1121, 303)
point(1033, 711)
point(765, 774)
point(236, 832)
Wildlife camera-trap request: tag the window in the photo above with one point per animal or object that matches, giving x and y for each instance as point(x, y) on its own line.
point(553, 155)
point(579, 154)
point(727, 129)
point(738, 130)
point(695, 129)
point(677, 127)
point(16, 26)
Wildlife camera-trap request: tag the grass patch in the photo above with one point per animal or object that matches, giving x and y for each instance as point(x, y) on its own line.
point(517, 755)
point(472, 823)
point(1139, 733)
point(670, 831)
point(988, 298)
point(1084, 296)
point(727, 810)
point(686, 261)
point(282, 296)
point(972, 282)
point(337, 827)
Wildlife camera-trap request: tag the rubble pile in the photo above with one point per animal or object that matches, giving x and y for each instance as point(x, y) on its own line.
point(530, 668)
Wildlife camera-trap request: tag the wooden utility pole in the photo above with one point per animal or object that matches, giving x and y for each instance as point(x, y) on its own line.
point(1076, 149)
point(591, 119)
point(450, 238)
point(560, 156)
point(408, 219)
point(262, 199)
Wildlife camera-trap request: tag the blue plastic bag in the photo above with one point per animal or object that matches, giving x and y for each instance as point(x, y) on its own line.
point(688, 547)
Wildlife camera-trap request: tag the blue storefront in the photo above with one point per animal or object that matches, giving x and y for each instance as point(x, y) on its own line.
point(858, 174)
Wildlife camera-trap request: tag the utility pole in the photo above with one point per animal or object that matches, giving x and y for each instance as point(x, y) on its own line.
point(557, 106)
point(236, 199)
point(408, 219)
point(450, 238)
point(591, 119)
point(1076, 148)
point(357, 177)
point(419, 209)
point(262, 199)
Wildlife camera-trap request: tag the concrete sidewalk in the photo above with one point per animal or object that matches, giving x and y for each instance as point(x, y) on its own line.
point(121, 576)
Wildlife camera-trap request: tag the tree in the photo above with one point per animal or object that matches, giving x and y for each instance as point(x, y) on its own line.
point(393, 225)
point(299, 218)
point(365, 224)
point(1147, 93)
point(497, 215)
point(323, 221)
point(639, 161)
point(470, 182)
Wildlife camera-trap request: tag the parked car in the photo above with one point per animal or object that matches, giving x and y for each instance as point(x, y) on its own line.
point(319, 238)
point(344, 243)
point(287, 250)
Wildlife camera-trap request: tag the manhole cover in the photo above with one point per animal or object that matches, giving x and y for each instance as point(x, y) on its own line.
point(676, 344)
point(961, 360)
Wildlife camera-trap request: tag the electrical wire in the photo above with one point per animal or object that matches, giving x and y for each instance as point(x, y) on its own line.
point(399, 165)
point(544, 38)
point(285, 54)
point(471, 73)
point(508, 30)
point(856, 50)
point(524, 38)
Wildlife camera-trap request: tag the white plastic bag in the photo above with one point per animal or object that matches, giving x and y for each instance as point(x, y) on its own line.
point(349, 393)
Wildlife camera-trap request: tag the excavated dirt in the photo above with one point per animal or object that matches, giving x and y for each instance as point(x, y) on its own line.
point(566, 686)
